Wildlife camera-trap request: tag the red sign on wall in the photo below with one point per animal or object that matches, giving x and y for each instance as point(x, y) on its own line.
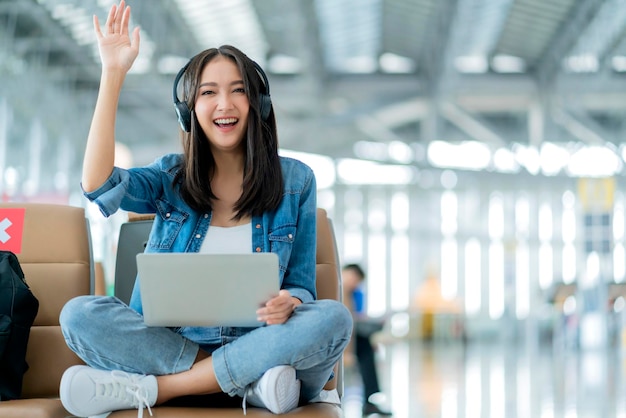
point(11, 229)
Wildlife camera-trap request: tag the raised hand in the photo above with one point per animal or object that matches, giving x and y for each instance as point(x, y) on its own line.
point(117, 50)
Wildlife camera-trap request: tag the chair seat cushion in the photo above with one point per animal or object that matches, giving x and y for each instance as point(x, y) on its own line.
point(315, 410)
point(33, 408)
point(48, 357)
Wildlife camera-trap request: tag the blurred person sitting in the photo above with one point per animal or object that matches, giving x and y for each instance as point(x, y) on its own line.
point(361, 345)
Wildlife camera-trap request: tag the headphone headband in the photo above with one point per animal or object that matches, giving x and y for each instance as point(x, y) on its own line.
point(184, 113)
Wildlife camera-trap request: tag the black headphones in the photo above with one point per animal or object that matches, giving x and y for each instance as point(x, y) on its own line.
point(184, 114)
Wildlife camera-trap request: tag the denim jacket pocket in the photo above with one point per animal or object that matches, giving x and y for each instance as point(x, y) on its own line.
point(281, 240)
point(169, 220)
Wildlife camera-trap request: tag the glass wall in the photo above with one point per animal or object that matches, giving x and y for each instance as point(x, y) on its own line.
point(504, 255)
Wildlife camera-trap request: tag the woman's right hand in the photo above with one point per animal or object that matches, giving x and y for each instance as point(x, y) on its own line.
point(117, 51)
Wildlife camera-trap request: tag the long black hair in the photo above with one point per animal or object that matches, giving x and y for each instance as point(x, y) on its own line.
point(262, 187)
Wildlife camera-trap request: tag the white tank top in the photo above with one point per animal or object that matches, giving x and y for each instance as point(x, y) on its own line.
point(228, 240)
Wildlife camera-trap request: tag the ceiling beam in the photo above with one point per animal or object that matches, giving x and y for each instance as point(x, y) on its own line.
point(377, 131)
point(470, 125)
point(49, 28)
point(435, 56)
point(549, 64)
point(575, 127)
point(585, 119)
point(155, 17)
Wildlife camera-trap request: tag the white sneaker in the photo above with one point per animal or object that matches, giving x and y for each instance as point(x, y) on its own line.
point(277, 390)
point(327, 396)
point(87, 392)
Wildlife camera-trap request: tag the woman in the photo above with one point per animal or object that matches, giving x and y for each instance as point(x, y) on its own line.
point(229, 184)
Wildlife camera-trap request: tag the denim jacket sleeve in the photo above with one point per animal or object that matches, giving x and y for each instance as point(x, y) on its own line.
point(135, 189)
point(299, 277)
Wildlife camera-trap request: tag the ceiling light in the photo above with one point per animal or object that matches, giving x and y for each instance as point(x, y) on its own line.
point(448, 179)
point(472, 64)
point(364, 64)
point(552, 158)
point(370, 150)
point(396, 64)
point(504, 161)
point(508, 64)
point(619, 63)
point(582, 64)
point(527, 157)
point(284, 64)
point(469, 155)
point(352, 171)
point(400, 152)
point(594, 161)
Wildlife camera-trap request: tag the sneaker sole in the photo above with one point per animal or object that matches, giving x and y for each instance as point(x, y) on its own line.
point(64, 389)
point(64, 392)
point(286, 393)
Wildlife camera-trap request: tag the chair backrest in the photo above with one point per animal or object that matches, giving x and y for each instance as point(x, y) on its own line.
point(132, 241)
point(328, 278)
point(56, 259)
point(326, 259)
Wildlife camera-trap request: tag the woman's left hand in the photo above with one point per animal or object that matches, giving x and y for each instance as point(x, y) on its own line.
point(278, 309)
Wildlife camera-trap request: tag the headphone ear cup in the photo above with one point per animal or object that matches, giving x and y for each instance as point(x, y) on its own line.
point(184, 116)
point(265, 105)
point(182, 111)
point(265, 101)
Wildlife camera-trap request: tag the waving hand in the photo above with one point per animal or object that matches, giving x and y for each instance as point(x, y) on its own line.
point(117, 50)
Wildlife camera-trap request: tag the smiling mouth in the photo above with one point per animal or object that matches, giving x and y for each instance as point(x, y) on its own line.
point(223, 122)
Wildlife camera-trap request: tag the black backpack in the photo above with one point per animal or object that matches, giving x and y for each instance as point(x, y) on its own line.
point(18, 308)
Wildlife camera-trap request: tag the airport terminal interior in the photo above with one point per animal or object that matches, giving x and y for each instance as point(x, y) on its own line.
point(470, 154)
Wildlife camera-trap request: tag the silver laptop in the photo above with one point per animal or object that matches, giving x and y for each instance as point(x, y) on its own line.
point(192, 289)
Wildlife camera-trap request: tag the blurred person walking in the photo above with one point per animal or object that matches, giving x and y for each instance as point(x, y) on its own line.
point(361, 349)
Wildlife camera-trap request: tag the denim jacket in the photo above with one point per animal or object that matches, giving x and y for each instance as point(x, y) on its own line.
point(289, 231)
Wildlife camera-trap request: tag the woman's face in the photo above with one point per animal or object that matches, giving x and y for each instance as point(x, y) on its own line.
point(222, 104)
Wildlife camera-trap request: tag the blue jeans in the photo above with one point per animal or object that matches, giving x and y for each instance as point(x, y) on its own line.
point(109, 335)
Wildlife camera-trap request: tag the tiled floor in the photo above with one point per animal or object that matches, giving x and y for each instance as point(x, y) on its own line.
point(495, 380)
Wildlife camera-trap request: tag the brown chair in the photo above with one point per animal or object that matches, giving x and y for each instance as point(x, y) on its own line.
point(328, 287)
point(57, 263)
